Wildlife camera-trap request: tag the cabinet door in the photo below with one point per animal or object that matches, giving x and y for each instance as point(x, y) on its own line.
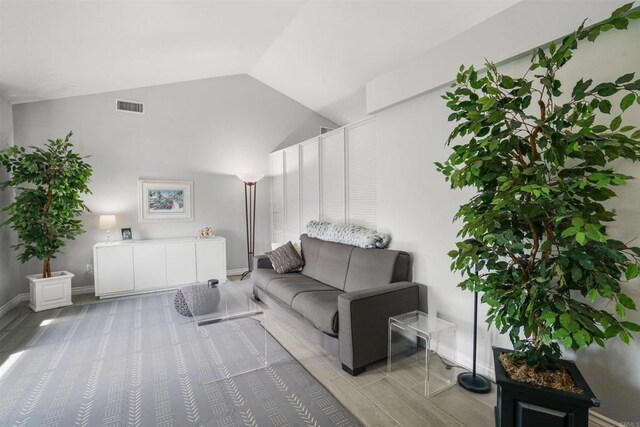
point(332, 170)
point(310, 182)
point(181, 263)
point(150, 267)
point(114, 265)
point(292, 193)
point(211, 260)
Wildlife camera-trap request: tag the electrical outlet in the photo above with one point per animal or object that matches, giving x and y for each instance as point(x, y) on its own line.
point(90, 268)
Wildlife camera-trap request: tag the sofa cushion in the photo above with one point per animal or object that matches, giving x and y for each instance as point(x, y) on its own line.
point(290, 286)
point(369, 268)
point(326, 262)
point(320, 308)
point(262, 276)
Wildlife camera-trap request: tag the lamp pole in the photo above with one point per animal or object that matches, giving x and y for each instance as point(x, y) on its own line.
point(250, 184)
point(471, 380)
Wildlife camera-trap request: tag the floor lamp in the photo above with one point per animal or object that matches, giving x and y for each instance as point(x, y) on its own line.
point(250, 180)
point(471, 380)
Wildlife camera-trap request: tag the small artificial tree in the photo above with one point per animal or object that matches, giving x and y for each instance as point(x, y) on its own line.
point(541, 164)
point(50, 182)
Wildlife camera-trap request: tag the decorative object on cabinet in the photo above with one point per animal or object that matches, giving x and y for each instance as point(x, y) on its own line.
point(128, 267)
point(165, 200)
point(49, 183)
point(107, 223)
point(250, 181)
point(126, 233)
point(207, 232)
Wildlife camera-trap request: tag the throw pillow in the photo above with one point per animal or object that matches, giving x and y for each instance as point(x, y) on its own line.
point(285, 259)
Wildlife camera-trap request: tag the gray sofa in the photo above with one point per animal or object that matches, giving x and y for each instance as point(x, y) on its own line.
point(343, 297)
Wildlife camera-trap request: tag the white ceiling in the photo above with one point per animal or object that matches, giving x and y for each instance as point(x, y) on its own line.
point(320, 53)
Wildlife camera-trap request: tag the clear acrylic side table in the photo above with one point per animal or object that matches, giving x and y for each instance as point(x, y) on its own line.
point(422, 345)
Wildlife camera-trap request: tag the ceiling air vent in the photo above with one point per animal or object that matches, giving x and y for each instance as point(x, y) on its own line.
point(129, 106)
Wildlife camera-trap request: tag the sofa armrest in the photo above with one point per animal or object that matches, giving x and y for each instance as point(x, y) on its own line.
point(364, 318)
point(261, 261)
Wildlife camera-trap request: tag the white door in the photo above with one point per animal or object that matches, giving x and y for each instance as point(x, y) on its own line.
point(211, 260)
point(150, 267)
point(362, 204)
point(292, 193)
point(115, 269)
point(310, 182)
point(332, 171)
point(276, 161)
point(181, 263)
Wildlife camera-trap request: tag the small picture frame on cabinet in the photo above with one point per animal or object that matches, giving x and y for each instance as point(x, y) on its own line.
point(126, 233)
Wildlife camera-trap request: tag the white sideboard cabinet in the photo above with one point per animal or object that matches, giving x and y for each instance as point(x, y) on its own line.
point(129, 267)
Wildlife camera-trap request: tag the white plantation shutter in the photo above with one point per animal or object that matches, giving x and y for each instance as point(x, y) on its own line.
point(276, 164)
point(310, 184)
point(361, 174)
point(332, 165)
point(292, 193)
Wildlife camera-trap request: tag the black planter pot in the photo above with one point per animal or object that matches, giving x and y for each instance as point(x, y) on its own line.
point(525, 405)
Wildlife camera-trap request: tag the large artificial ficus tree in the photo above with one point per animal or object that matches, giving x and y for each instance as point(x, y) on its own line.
point(49, 183)
point(541, 162)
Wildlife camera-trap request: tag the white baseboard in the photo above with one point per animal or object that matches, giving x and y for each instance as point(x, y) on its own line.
point(25, 297)
point(83, 290)
point(599, 420)
point(13, 302)
point(235, 272)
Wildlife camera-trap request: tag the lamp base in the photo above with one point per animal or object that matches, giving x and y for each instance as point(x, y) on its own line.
point(474, 383)
point(244, 275)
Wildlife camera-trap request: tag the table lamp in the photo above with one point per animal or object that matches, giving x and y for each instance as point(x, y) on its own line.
point(107, 222)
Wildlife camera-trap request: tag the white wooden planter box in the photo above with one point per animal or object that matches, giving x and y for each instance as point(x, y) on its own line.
point(51, 292)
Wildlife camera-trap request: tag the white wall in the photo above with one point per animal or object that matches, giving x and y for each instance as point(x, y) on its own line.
point(416, 205)
point(205, 131)
point(9, 282)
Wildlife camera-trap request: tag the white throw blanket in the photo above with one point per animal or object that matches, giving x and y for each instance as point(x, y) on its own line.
point(348, 234)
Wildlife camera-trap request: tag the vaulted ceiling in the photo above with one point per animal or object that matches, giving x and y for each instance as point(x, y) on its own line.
point(320, 53)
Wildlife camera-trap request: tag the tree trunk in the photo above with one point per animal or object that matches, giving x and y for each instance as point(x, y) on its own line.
point(46, 268)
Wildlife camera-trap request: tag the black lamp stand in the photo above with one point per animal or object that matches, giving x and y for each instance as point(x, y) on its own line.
point(250, 216)
point(471, 380)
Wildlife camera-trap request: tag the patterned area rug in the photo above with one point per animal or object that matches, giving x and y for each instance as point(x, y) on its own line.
point(135, 362)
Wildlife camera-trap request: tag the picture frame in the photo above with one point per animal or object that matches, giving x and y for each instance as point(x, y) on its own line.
point(126, 234)
point(165, 200)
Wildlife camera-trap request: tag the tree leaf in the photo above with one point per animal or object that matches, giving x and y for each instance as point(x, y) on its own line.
point(627, 101)
point(632, 271)
point(605, 106)
point(581, 238)
point(625, 79)
point(615, 123)
point(626, 301)
point(631, 326)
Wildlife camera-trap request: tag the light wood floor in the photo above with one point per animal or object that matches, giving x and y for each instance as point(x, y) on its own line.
point(375, 397)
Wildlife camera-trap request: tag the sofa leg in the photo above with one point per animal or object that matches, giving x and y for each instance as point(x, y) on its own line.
point(353, 372)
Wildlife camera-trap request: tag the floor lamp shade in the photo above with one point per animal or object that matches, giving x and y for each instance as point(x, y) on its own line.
point(250, 182)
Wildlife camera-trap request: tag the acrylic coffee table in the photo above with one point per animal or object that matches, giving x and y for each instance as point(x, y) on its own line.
point(231, 329)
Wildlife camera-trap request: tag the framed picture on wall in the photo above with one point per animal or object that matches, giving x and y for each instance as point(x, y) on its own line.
point(165, 200)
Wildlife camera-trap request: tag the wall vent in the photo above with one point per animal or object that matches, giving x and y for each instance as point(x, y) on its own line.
point(324, 130)
point(129, 106)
